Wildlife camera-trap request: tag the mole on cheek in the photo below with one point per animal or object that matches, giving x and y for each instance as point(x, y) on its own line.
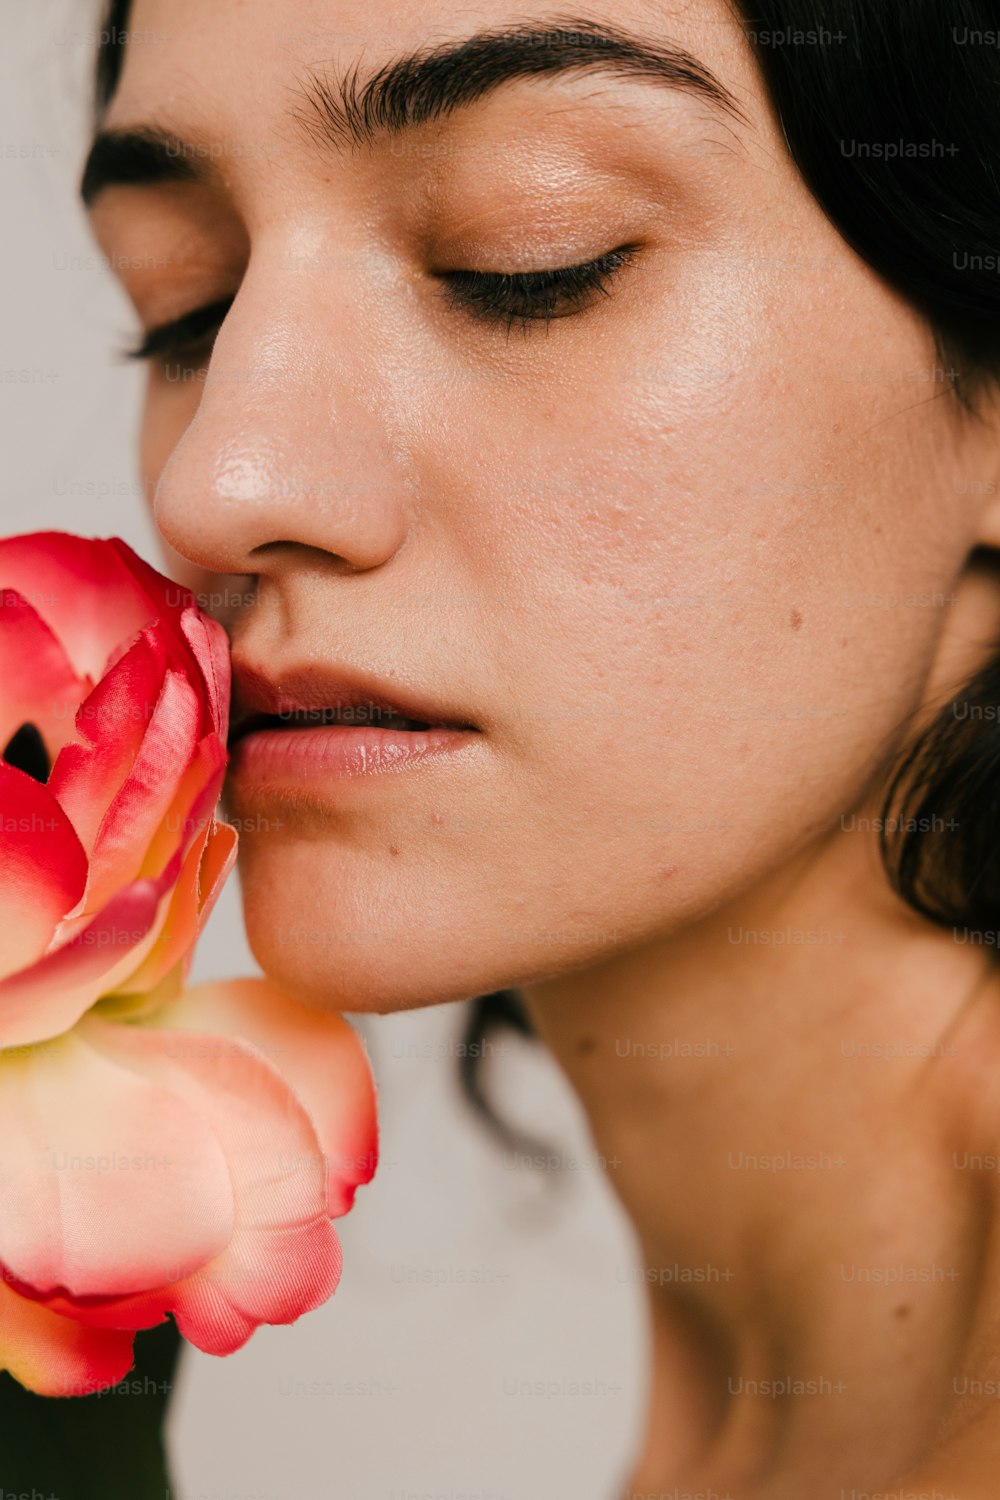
point(796, 620)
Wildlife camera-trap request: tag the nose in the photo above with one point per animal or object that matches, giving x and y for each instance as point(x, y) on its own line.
point(295, 443)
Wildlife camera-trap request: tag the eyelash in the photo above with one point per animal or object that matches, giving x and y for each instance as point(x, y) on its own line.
point(493, 297)
point(534, 296)
point(191, 335)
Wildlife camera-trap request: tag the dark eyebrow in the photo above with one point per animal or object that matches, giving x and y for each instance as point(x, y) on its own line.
point(427, 85)
point(420, 87)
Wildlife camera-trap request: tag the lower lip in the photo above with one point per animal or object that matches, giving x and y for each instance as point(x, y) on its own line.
point(339, 751)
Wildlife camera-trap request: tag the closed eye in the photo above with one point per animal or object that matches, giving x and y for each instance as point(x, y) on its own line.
point(526, 297)
point(495, 297)
point(187, 339)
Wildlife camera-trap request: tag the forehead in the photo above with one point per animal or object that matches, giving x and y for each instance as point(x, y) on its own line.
point(247, 63)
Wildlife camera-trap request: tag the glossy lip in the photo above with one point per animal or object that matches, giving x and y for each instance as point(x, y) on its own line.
point(335, 751)
point(268, 752)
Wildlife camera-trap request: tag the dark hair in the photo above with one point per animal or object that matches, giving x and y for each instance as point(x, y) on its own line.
point(891, 111)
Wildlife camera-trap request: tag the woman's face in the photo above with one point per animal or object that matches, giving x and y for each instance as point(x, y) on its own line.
point(681, 555)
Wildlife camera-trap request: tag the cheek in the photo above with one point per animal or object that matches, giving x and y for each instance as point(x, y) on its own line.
point(168, 410)
point(695, 593)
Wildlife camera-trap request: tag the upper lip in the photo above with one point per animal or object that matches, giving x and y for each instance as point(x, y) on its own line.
point(261, 693)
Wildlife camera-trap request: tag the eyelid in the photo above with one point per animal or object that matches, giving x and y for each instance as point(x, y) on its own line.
point(490, 296)
point(190, 330)
point(535, 296)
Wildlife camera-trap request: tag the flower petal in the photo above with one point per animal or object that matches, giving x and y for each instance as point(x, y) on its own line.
point(192, 807)
point(268, 1275)
point(284, 1255)
point(42, 872)
point(141, 805)
point(108, 1178)
point(86, 589)
point(205, 868)
point(320, 1055)
point(210, 645)
point(110, 723)
point(39, 686)
point(164, 596)
point(56, 1356)
point(52, 995)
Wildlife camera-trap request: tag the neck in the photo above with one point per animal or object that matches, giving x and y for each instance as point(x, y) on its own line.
point(792, 1096)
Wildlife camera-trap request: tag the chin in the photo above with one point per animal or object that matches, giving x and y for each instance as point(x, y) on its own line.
point(358, 931)
point(333, 985)
point(347, 931)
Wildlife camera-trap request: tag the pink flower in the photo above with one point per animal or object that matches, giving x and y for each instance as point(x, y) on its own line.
point(110, 863)
point(166, 1150)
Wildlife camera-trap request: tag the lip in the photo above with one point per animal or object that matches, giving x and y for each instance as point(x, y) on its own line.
point(257, 691)
point(338, 751)
point(262, 749)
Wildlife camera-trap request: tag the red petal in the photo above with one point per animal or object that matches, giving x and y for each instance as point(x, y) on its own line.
point(111, 723)
point(131, 822)
point(42, 872)
point(210, 645)
point(87, 590)
point(57, 1356)
point(38, 684)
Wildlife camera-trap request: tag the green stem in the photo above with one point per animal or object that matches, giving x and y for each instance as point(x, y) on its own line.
point(103, 1447)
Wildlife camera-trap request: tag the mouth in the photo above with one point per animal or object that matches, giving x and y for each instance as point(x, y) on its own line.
point(329, 698)
point(329, 724)
point(353, 715)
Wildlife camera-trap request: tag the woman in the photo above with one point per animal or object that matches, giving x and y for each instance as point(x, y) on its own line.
point(587, 428)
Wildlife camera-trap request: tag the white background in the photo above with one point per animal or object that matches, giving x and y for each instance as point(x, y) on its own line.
point(474, 1292)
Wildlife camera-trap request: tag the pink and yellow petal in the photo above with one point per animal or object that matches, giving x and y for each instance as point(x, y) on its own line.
point(318, 1052)
point(284, 1256)
point(205, 868)
point(108, 1178)
point(193, 806)
point(49, 997)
